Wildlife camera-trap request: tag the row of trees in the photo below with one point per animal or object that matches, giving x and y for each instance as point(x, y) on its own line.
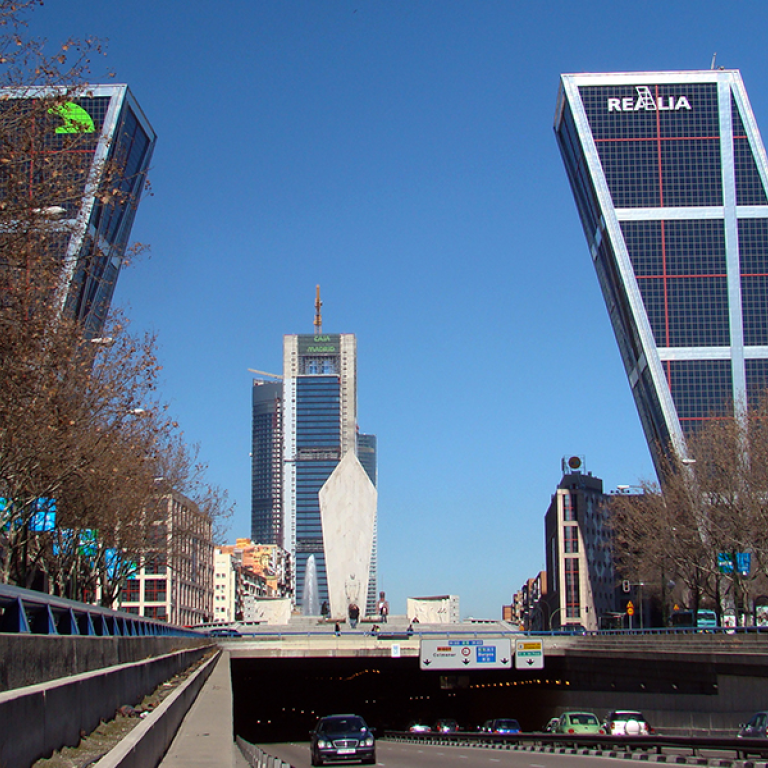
point(87, 446)
point(701, 535)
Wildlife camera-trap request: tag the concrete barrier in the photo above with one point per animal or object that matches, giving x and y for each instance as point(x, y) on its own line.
point(146, 744)
point(38, 719)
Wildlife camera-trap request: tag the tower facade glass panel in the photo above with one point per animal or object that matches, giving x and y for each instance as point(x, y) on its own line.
point(669, 175)
point(366, 454)
point(267, 463)
point(101, 144)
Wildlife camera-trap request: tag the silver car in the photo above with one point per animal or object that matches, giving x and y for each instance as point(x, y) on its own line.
point(756, 728)
point(626, 723)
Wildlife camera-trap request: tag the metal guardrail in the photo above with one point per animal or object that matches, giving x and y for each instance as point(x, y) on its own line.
point(257, 757)
point(28, 612)
point(272, 633)
point(681, 746)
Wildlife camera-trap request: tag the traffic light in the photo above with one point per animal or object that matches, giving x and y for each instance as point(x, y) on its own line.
point(625, 585)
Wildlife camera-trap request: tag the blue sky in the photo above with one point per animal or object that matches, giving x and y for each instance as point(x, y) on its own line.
point(401, 155)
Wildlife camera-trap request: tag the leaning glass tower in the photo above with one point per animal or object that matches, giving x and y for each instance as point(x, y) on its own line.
point(77, 158)
point(669, 175)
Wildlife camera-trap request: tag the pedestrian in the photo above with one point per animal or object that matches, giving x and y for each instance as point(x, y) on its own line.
point(354, 615)
point(383, 607)
point(337, 629)
point(324, 610)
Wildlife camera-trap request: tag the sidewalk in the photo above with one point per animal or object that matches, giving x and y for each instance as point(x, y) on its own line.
point(205, 738)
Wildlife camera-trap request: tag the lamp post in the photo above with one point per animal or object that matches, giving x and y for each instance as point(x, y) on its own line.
point(552, 616)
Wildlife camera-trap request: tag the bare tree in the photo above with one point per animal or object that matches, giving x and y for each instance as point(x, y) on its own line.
point(86, 443)
point(706, 521)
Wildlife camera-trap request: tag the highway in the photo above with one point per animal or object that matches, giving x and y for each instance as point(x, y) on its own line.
point(398, 755)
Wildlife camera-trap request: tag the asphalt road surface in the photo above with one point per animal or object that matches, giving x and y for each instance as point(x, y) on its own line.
point(397, 755)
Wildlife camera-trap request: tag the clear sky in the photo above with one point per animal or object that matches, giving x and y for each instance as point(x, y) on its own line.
point(401, 155)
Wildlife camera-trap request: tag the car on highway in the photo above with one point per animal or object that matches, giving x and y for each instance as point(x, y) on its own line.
point(626, 723)
point(578, 722)
point(551, 725)
point(446, 725)
point(503, 725)
point(419, 726)
point(342, 738)
point(224, 632)
point(756, 727)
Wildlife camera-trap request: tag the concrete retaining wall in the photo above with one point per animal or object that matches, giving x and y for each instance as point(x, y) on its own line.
point(146, 744)
point(38, 719)
point(31, 659)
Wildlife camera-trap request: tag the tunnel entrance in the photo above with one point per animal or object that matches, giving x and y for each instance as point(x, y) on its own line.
point(279, 700)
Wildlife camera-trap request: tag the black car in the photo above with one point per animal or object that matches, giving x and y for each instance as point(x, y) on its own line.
point(342, 738)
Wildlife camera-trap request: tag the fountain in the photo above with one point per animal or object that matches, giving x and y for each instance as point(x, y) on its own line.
point(310, 600)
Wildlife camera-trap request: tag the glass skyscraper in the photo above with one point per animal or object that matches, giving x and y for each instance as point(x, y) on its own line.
point(303, 426)
point(669, 175)
point(267, 463)
point(102, 144)
point(367, 455)
point(320, 427)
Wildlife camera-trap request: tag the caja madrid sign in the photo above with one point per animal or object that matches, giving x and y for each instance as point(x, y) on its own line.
point(645, 100)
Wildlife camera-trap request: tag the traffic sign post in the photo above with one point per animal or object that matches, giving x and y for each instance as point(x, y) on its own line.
point(529, 654)
point(465, 654)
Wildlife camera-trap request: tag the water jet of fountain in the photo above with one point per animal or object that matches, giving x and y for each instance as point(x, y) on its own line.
point(310, 600)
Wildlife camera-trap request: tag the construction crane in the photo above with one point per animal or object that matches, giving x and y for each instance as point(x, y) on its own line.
point(318, 316)
point(264, 373)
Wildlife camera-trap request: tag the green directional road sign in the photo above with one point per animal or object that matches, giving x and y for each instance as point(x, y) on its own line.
point(529, 654)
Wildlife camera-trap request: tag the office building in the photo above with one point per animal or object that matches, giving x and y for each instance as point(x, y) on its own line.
point(85, 152)
point(319, 429)
point(176, 584)
point(580, 579)
point(669, 174)
point(367, 454)
point(303, 428)
point(267, 463)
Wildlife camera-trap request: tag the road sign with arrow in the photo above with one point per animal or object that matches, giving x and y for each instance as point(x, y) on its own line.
point(529, 654)
point(466, 654)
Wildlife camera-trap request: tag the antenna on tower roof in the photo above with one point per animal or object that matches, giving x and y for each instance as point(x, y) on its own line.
point(318, 316)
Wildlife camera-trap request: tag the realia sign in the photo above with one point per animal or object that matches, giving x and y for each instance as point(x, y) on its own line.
point(647, 102)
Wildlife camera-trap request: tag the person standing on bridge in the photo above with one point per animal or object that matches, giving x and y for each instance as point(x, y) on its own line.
point(383, 607)
point(354, 615)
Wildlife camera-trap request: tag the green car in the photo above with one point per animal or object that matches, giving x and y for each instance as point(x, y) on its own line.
point(578, 722)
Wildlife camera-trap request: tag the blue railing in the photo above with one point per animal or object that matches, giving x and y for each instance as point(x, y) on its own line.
point(271, 632)
point(26, 611)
